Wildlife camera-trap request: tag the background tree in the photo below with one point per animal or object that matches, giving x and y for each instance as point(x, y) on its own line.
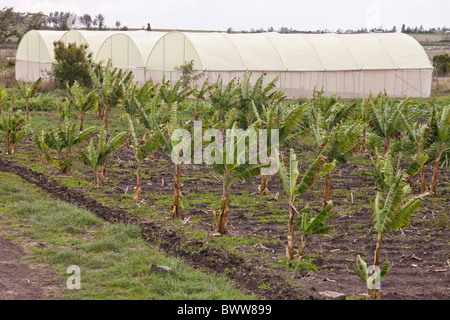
point(7, 28)
point(441, 62)
point(72, 63)
point(36, 21)
point(100, 19)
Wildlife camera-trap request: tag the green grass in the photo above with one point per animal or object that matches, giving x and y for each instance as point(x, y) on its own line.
point(115, 262)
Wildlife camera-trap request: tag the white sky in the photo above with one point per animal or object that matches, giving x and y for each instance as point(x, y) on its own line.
point(247, 14)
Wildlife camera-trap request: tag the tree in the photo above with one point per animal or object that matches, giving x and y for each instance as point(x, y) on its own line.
point(72, 63)
point(199, 95)
point(7, 17)
point(81, 101)
point(64, 138)
point(223, 98)
point(294, 189)
point(149, 28)
point(143, 145)
point(389, 214)
point(100, 19)
point(14, 127)
point(287, 119)
point(166, 131)
point(188, 75)
point(442, 64)
point(175, 93)
point(108, 84)
point(87, 20)
point(387, 119)
point(27, 91)
point(118, 24)
point(438, 143)
point(36, 21)
point(236, 164)
point(336, 140)
point(95, 157)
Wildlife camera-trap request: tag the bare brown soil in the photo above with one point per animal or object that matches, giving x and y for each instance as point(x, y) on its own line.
point(419, 254)
point(19, 281)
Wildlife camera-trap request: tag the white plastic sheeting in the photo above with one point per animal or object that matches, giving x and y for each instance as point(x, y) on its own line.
point(352, 65)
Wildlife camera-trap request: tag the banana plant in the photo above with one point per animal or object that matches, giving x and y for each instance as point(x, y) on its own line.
point(3, 96)
point(95, 157)
point(258, 95)
point(390, 212)
point(166, 128)
point(388, 120)
point(224, 98)
point(39, 142)
point(27, 90)
point(309, 224)
point(438, 144)
point(338, 145)
point(371, 277)
point(384, 168)
point(14, 127)
point(175, 93)
point(199, 95)
point(143, 147)
point(81, 101)
point(295, 188)
point(64, 138)
point(287, 120)
point(108, 86)
point(236, 165)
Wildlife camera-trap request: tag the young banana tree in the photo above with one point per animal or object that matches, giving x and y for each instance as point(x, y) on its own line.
point(287, 120)
point(14, 127)
point(64, 138)
point(108, 86)
point(384, 167)
point(389, 212)
point(81, 101)
point(95, 157)
point(309, 223)
point(294, 189)
point(27, 90)
point(143, 147)
point(438, 144)
point(236, 163)
point(3, 96)
point(199, 95)
point(223, 98)
point(174, 94)
point(257, 95)
point(39, 142)
point(387, 119)
point(166, 128)
point(338, 145)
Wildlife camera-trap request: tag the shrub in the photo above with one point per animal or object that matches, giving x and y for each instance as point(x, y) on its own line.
point(72, 63)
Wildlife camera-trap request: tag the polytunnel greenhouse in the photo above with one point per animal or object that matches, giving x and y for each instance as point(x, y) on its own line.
point(352, 65)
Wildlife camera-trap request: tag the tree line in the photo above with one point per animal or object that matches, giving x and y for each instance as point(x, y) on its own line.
point(14, 24)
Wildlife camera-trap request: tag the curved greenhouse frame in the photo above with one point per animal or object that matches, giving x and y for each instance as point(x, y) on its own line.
point(352, 65)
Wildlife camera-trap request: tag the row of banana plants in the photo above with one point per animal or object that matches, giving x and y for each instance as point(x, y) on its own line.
point(338, 129)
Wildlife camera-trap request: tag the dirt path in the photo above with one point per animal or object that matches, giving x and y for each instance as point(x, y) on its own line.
point(19, 281)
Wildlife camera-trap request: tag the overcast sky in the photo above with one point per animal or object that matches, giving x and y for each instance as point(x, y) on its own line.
point(247, 14)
